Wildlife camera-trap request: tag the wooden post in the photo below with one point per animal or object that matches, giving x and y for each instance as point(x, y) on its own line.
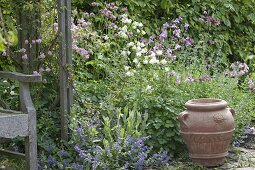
point(69, 54)
point(65, 53)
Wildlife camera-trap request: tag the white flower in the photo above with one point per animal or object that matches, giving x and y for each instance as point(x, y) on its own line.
point(154, 61)
point(130, 73)
point(123, 34)
point(126, 20)
point(100, 56)
point(126, 68)
point(145, 61)
point(142, 44)
point(143, 32)
point(124, 28)
point(138, 31)
point(128, 52)
point(138, 48)
point(134, 48)
point(144, 50)
point(156, 76)
point(134, 27)
point(153, 55)
point(146, 57)
point(135, 23)
point(130, 44)
point(140, 24)
point(167, 68)
point(135, 61)
point(138, 54)
point(159, 52)
point(124, 53)
point(148, 88)
point(163, 61)
point(12, 93)
point(129, 21)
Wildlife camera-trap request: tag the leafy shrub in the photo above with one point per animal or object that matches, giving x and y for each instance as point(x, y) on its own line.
point(114, 143)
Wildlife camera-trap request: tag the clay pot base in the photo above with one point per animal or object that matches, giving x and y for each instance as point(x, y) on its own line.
point(210, 162)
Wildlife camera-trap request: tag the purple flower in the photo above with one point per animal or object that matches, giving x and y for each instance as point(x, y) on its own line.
point(117, 146)
point(188, 41)
point(107, 150)
point(65, 163)
point(112, 17)
point(177, 20)
point(169, 52)
point(163, 35)
point(151, 39)
point(124, 9)
point(94, 4)
point(79, 130)
point(80, 151)
point(174, 26)
point(128, 140)
point(166, 25)
point(115, 8)
point(63, 153)
point(186, 25)
point(77, 166)
point(113, 26)
point(126, 165)
point(51, 160)
point(139, 143)
point(177, 32)
point(217, 22)
point(177, 47)
point(189, 79)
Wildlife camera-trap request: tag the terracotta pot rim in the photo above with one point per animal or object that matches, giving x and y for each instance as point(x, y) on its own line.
point(206, 104)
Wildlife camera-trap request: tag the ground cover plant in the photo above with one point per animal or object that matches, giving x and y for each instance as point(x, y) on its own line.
point(132, 76)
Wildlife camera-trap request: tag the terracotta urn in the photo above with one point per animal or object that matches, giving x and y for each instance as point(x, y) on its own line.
point(207, 126)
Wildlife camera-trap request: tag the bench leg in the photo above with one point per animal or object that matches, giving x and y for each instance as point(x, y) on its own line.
point(31, 152)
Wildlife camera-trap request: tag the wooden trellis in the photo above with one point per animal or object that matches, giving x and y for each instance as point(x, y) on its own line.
point(65, 53)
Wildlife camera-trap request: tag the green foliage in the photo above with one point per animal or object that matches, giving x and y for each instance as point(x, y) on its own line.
point(114, 143)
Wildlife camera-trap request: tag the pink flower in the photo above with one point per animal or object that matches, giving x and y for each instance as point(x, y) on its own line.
point(35, 73)
point(4, 54)
point(39, 41)
point(24, 57)
point(22, 50)
point(49, 53)
point(94, 4)
point(42, 56)
point(124, 9)
point(47, 69)
point(41, 70)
